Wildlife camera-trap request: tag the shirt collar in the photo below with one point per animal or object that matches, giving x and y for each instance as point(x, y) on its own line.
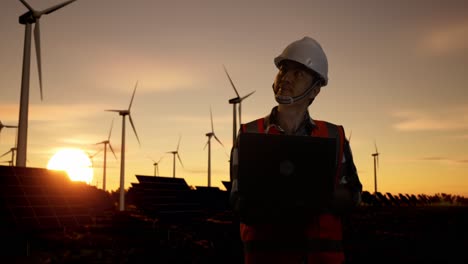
point(305, 128)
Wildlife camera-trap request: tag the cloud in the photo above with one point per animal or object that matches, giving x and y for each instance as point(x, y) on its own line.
point(444, 159)
point(448, 119)
point(447, 40)
point(153, 73)
point(50, 112)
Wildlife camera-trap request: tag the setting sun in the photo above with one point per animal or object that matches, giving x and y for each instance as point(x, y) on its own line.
point(75, 162)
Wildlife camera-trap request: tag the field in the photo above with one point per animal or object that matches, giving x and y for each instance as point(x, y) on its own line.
point(167, 221)
point(428, 234)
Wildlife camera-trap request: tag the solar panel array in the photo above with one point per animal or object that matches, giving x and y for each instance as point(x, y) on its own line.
point(34, 199)
point(164, 197)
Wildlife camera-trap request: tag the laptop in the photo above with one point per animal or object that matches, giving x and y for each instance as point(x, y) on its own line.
point(284, 178)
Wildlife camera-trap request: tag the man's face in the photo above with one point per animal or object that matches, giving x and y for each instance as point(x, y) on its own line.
point(292, 79)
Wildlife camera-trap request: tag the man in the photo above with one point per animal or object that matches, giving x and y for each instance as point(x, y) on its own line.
point(303, 71)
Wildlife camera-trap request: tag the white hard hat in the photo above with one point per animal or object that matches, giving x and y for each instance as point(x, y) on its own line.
point(308, 52)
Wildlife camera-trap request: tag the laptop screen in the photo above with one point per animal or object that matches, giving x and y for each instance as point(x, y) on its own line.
point(282, 175)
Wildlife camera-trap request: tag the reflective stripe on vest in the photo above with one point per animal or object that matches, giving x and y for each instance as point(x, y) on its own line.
point(320, 239)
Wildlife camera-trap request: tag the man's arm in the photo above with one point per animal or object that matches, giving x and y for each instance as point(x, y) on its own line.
point(233, 171)
point(348, 192)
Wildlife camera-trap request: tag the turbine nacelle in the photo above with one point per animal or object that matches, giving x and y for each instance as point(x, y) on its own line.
point(29, 17)
point(235, 100)
point(121, 112)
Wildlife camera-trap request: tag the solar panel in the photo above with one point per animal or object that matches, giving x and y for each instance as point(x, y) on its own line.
point(164, 197)
point(35, 199)
point(394, 200)
point(212, 198)
point(227, 185)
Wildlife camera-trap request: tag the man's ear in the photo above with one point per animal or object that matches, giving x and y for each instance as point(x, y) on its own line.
point(315, 91)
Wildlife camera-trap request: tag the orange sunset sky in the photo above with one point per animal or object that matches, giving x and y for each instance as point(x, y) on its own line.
point(397, 74)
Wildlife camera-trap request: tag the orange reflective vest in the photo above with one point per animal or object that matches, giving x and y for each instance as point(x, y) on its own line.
point(318, 241)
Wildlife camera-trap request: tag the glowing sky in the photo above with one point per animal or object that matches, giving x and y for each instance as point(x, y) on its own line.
point(397, 77)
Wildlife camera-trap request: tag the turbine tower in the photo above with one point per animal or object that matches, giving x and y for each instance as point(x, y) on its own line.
point(125, 113)
point(234, 101)
point(208, 143)
point(376, 164)
point(6, 126)
point(175, 153)
point(106, 142)
point(27, 19)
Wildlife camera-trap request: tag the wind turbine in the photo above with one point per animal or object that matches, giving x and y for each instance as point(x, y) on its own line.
point(208, 143)
point(27, 19)
point(234, 101)
point(155, 164)
point(106, 142)
point(6, 126)
point(91, 157)
point(12, 151)
point(376, 164)
point(175, 153)
point(125, 113)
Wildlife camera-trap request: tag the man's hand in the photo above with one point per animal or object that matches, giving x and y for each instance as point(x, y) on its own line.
point(343, 200)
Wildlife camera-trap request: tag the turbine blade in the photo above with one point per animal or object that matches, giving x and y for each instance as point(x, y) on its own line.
point(178, 143)
point(219, 141)
point(154, 162)
point(133, 95)
point(37, 40)
point(110, 131)
point(247, 96)
point(58, 6)
point(230, 80)
point(6, 153)
point(110, 146)
point(211, 117)
point(349, 138)
point(206, 144)
point(178, 157)
point(97, 152)
point(27, 5)
point(160, 159)
point(375, 144)
point(113, 110)
point(134, 130)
